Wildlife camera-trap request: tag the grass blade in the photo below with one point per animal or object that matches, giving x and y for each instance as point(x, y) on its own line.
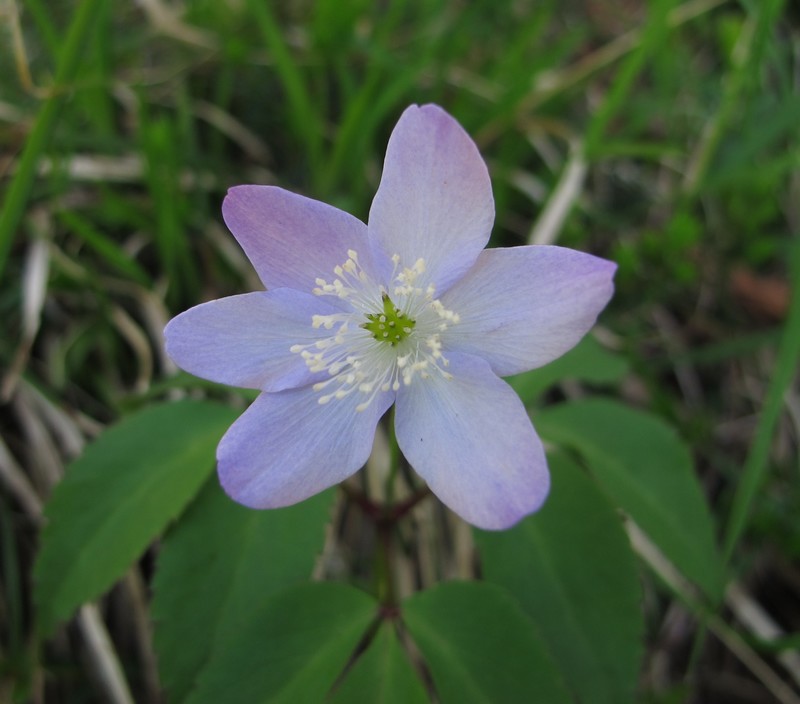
point(19, 190)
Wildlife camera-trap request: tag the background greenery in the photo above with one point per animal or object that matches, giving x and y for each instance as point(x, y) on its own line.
point(662, 135)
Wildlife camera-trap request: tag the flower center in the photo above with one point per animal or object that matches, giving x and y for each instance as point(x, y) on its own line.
point(392, 326)
point(355, 357)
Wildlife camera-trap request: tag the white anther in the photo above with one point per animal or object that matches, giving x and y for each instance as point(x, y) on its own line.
point(358, 360)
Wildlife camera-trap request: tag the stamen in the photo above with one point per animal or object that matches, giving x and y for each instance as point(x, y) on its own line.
point(356, 357)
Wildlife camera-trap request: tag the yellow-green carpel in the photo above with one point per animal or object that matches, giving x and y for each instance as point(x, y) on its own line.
point(391, 326)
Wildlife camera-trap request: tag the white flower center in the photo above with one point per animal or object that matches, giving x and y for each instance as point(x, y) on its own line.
point(390, 337)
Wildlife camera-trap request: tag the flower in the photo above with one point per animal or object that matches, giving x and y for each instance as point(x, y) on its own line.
point(409, 309)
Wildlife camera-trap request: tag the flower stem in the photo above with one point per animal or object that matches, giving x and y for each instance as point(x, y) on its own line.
point(383, 564)
point(385, 517)
point(394, 460)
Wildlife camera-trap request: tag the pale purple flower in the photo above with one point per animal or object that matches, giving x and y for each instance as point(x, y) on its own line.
point(409, 309)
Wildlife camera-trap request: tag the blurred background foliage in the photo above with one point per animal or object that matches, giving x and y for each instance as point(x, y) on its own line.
point(662, 134)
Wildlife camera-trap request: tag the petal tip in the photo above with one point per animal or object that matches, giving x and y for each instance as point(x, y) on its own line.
point(235, 491)
point(234, 481)
point(503, 520)
point(609, 266)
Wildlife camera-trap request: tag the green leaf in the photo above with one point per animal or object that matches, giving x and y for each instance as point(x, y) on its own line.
point(588, 361)
point(219, 561)
point(382, 675)
point(648, 472)
point(480, 647)
point(291, 649)
point(572, 570)
point(118, 496)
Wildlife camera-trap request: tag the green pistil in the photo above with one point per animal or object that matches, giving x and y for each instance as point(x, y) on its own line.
point(391, 326)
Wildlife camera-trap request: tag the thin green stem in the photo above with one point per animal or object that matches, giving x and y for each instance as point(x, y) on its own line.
point(755, 467)
point(746, 55)
point(548, 85)
point(387, 594)
point(304, 114)
point(385, 517)
point(19, 190)
point(652, 38)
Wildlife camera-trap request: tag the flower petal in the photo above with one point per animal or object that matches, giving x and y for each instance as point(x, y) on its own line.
point(287, 446)
point(245, 340)
point(523, 307)
point(290, 239)
point(435, 197)
point(471, 440)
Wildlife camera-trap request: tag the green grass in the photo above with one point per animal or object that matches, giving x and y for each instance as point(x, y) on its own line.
point(686, 113)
